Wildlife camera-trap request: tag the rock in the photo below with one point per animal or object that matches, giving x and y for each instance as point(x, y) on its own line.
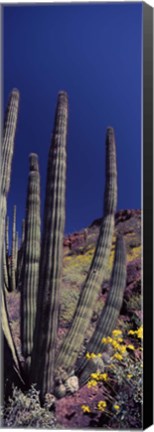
point(72, 384)
point(60, 391)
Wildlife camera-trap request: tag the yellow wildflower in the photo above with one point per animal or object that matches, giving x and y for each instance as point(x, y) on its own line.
point(92, 383)
point(116, 332)
point(94, 375)
point(85, 408)
point(101, 405)
point(115, 344)
point(103, 376)
point(119, 339)
point(131, 347)
point(122, 349)
point(132, 332)
point(117, 356)
point(104, 339)
point(129, 376)
point(140, 332)
point(92, 355)
point(116, 407)
point(109, 339)
point(88, 356)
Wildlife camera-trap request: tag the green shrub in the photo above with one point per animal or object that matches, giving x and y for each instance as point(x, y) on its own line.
point(24, 410)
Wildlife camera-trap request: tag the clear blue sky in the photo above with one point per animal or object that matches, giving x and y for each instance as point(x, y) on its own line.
point(94, 53)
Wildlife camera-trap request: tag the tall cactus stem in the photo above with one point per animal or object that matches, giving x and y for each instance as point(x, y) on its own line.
point(43, 358)
point(7, 236)
point(108, 317)
point(7, 155)
point(13, 252)
point(23, 232)
point(16, 250)
point(83, 313)
point(31, 260)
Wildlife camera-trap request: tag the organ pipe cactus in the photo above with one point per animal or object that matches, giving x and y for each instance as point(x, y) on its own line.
point(7, 236)
point(83, 313)
point(13, 252)
point(7, 154)
point(43, 358)
point(108, 317)
point(10, 123)
point(31, 258)
point(39, 272)
point(20, 257)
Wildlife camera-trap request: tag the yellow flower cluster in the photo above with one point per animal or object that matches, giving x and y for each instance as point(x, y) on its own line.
point(99, 376)
point(92, 355)
point(138, 332)
point(117, 356)
point(116, 343)
point(116, 333)
point(101, 405)
point(85, 408)
point(92, 383)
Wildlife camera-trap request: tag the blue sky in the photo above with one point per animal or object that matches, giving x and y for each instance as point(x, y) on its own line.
point(93, 51)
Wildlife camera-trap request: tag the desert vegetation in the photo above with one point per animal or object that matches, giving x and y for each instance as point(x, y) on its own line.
point(71, 318)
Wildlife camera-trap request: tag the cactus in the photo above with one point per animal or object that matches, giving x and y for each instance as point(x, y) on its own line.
point(43, 357)
point(31, 260)
point(20, 257)
point(74, 338)
point(16, 250)
point(108, 317)
point(13, 252)
point(7, 154)
point(7, 236)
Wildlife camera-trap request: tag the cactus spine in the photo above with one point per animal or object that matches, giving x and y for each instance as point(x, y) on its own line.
point(74, 338)
point(108, 317)
point(31, 260)
point(43, 358)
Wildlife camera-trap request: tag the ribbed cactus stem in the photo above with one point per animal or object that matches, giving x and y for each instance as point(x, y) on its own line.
point(23, 232)
point(110, 197)
point(13, 252)
point(7, 154)
point(16, 250)
point(7, 236)
point(31, 259)
point(20, 256)
point(43, 359)
point(108, 317)
point(5, 268)
point(83, 313)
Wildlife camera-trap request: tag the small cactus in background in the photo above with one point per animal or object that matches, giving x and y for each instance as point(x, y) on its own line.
point(38, 273)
